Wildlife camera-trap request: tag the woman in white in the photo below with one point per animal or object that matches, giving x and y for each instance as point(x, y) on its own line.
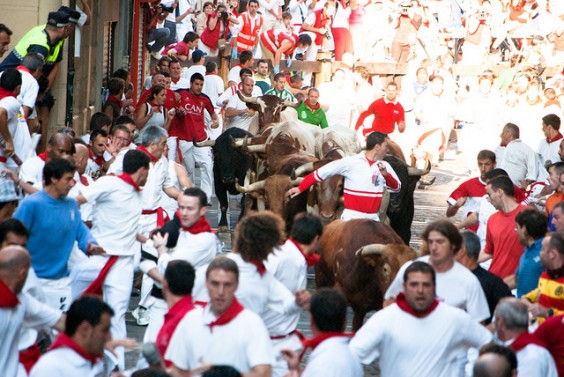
point(153, 112)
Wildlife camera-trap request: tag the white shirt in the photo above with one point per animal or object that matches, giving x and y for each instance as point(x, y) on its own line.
point(534, 361)
point(519, 161)
point(116, 167)
point(242, 343)
point(64, 362)
point(12, 107)
point(232, 91)
point(233, 74)
point(198, 249)
point(29, 90)
point(115, 215)
point(32, 170)
point(457, 287)
point(266, 6)
point(340, 101)
point(157, 180)
point(35, 314)
point(213, 88)
point(289, 267)
point(549, 151)
point(242, 121)
point(188, 72)
point(86, 208)
point(182, 83)
point(408, 346)
point(333, 358)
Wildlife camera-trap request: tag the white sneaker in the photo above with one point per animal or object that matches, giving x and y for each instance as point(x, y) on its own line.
point(141, 315)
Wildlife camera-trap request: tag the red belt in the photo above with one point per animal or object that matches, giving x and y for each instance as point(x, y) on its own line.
point(95, 288)
point(295, 332)
point(162, 218)
point(3, 159)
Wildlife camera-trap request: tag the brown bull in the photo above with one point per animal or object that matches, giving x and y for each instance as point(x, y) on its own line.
point(269, 108)
point(361, 258)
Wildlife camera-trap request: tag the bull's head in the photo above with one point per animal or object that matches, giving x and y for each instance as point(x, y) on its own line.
point(268, 106)
point(386, 259)
point(272, 190)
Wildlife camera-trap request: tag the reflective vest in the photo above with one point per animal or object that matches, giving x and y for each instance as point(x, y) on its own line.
point(247, 36)
point(273, 39)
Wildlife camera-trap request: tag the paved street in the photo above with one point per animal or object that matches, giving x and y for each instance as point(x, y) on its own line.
point(429, 205)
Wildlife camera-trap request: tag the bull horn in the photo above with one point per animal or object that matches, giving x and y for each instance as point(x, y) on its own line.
point(205, 143)
point(246, 99)
point(411, 171)
point(237, 143)
point(296, 182)
point(249, 188)
point(256, 148)
point(303, 169)
point(375, 248)
point(291, 104)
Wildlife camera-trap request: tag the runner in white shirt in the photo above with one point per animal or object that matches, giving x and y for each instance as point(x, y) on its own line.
point(10, 108)
point(78, 351)
point(117, 212)
point(17, 307)
point(456, 285)
point(213, 88)
point(222, 333)
point(443, 332)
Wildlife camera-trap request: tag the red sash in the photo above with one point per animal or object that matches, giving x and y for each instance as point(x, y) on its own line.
point(29, 357)
point(63, 340)
point(311, 259)
point(7, 298)
point(127, 179)
point(259, 265)
point(144, 150)
point(99, 160)
point(6, 93)
point(162, 217)
point(403, 305)
point(95, 288)
point(233, 311)
point(200, 226)
point(43, 156)
point(320, 338)
point(83, 180)
point(524, 340)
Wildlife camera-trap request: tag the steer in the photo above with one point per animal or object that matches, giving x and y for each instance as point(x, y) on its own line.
point(360, 257)
point(271, 109)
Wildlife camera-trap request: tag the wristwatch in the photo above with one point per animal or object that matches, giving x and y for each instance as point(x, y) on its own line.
point(550, 312)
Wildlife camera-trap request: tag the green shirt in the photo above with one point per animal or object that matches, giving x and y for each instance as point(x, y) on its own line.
point(285, 94)
point(316, 117)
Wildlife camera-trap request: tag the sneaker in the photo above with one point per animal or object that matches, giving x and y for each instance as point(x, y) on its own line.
point(141, 315)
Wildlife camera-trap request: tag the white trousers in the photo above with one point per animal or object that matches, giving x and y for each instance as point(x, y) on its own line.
point(58, 292)
point(203, 156)
point(349, 214)
point(116, 291)
point(292, 342)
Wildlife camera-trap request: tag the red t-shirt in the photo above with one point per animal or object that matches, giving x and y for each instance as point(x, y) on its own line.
point(386, 115)
point(551, 332)
point(180, 47)
point(171, 320)
point(502, 242)
point(191, 126)
point(170, 101)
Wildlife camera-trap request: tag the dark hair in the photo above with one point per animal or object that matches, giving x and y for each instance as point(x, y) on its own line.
point(557, 242)
point(375, 138)
point(97, 133)
point(210, 67)
point(5, 29)
point(163, 59)
point(121, 73)
point(11, 79)
point(120, 127)
point(559, 205)
point(481, 370)
point(328, 310)
point(12, 225)
point(497, 172)
point(99, 120)
point(135, 160)
point(124, 119)
point(223, 263)
point(245, 71)
point(180, 275)
point(86, 308)
point(198, 193)
point(196, 76)
point(257, 234)
point(296, 78)
point(222, 371)
point(304, 39)
point(305, 228)
point(552, 120)
point(472, 244)
point(513, 130)
point(534, 221)
point(245, 56)
point(422, 267)
point(447, 229)
point(504, 184)
point(486, 154)
point(190, 37)
point(279, 76)
point(154, 91)
point(56, 168)
point(150, 372)
point(253, 1)
point(262, 61)
point(116, 85)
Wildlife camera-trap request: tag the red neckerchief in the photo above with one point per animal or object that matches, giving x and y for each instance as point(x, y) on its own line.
point(21, 68)
point(115, 100)
point(312, 107)
point(83, 180)
point(144, 150)
point(97, 159)
point(63, 340)
point(6, 93)
point(232, 311)
point(320, 338)
point(261, 269)
point(7, 298)
point(403, 305)
point(370, 162)
point(210, 73)
point(524, 340)
point(171, 320)
point(311, 259)
point(200, 226)
point(151, 103)
point(129, 180)
point(43, 156)
point(555, 138)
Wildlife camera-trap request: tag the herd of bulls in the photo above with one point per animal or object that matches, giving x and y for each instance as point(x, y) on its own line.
point(360, 257)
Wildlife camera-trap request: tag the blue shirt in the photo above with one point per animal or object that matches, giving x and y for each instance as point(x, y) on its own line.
point(529, 269)
point(54, 225)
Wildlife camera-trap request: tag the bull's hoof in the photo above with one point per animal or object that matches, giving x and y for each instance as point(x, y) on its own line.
point(223, 229)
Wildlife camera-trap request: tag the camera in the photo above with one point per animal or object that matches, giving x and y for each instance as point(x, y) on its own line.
point(327, 35)
point(482, 15)
point(299, 56)
point(167, 9)
point(224, 15)
point(404, 11)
